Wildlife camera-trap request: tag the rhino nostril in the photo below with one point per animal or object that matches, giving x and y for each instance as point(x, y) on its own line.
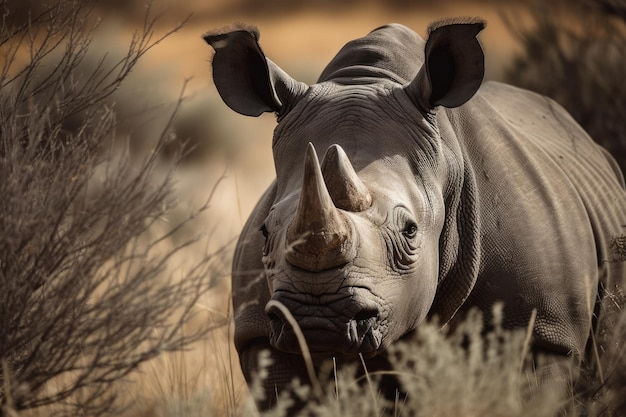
point(366, 314)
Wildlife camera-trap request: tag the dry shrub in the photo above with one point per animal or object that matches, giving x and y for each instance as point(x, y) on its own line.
point(600, 389)
point(575, 52)
point(85, 243)
point(449, 372)
point(465, 371)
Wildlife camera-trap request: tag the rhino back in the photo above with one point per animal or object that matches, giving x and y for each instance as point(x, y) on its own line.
point(392, 51)
point(553, 150)
point(550, 204)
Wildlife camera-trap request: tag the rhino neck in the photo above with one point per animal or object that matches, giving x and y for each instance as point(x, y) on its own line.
point(362, 74)
point(460, 243)
point(392, 52)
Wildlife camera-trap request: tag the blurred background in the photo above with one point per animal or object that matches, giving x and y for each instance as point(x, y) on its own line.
point(573, 51)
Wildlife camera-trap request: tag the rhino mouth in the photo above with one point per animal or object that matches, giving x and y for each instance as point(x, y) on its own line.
point(346, 327)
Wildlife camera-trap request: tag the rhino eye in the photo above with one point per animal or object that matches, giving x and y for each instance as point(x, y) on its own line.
point(410, 230)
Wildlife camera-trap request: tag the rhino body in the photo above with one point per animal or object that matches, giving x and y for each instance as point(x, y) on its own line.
point(435, 194)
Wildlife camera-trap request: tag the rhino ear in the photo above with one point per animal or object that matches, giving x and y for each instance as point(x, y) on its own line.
point(454, 65)
point(247, 81)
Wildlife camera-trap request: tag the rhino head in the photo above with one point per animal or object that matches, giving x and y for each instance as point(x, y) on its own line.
point(360, 231)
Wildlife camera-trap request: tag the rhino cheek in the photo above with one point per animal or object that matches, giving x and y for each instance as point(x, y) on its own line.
point(407, 295)
point(413, 296)
point(424, 285)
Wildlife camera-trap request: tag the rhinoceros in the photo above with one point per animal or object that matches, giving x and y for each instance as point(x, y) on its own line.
point(407, 189)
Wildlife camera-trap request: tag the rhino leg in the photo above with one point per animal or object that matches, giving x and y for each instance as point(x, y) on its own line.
point(551, 372)
point(274, 375)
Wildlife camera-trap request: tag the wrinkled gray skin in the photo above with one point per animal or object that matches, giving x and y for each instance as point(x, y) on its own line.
point(434, 194)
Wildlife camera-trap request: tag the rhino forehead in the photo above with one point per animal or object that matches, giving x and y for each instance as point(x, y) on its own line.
point(370, 121)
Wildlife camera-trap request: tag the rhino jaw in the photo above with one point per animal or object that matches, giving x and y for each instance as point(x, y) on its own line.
point(319, 235)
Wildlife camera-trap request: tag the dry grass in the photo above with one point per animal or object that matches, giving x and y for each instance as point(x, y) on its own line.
point(463, 372)
point(441, 373)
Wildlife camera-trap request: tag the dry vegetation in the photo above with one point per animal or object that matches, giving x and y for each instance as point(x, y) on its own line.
point(85, 296)
point(103, 280)
point(465, 372)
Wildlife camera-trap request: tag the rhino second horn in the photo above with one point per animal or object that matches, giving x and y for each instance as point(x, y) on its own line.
point(344, 186)
point(318, 235)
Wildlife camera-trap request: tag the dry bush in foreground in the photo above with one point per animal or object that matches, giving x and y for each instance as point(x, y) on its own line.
point(467, 372)
point(575, 52)
point(458, 372)
point(85, 240)
point(445, 373)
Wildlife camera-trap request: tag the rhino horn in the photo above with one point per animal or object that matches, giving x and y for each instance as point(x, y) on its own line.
point(318, 235)
point(344, 186)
